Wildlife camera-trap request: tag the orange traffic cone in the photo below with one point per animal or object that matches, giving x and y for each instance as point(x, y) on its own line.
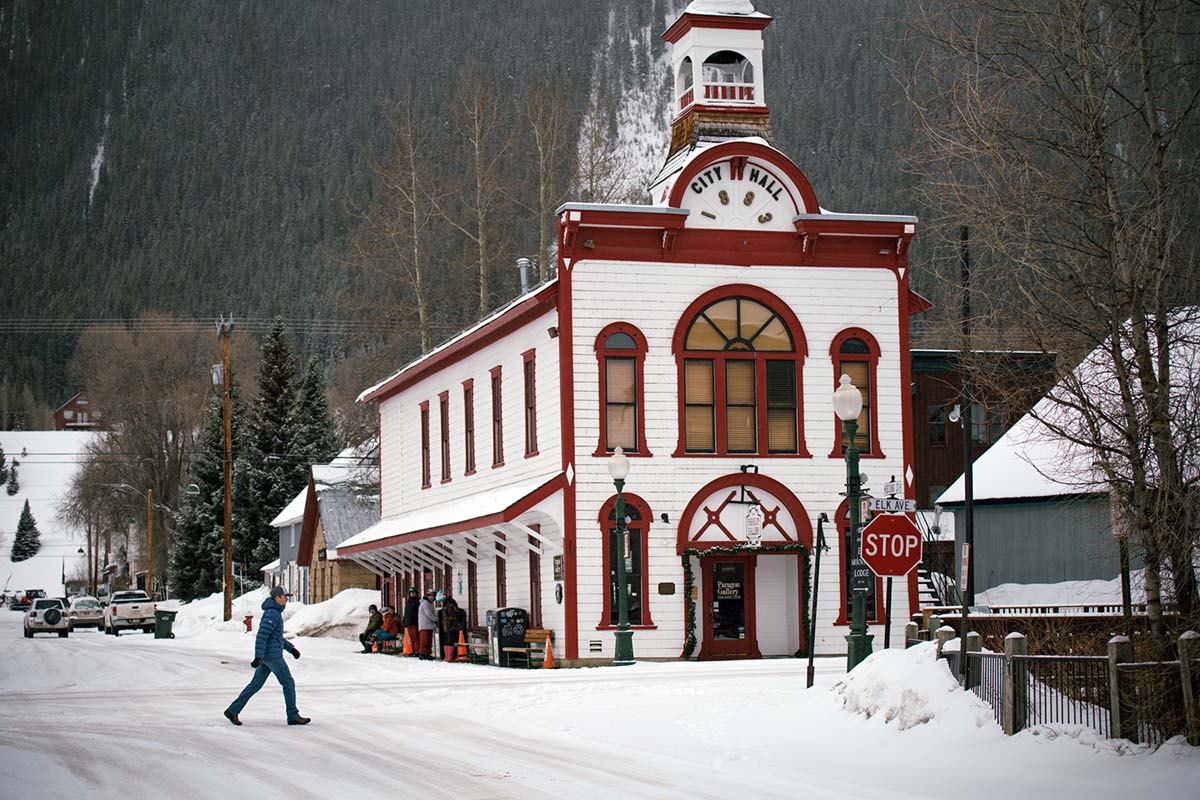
point(548, 662)
point(462, 645)
point(375, 647)
point(408, 651)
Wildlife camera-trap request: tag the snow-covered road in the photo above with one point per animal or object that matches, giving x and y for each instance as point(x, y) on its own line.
point(94, 716)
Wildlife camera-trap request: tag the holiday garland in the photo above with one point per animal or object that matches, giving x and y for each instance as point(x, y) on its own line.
point(688, 581)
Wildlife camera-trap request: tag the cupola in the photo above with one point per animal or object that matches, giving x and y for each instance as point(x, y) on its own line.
point(717, 52)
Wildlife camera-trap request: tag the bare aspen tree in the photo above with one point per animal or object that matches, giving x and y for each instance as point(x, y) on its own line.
point(602, 166)
point(392, 246)
point(482, 126)
point(1064, 134)
point(546, 110)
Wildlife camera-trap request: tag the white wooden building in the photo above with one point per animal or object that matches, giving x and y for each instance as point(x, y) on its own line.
point(703, 334)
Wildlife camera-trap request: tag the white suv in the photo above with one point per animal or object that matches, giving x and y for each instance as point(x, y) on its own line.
point(47, 615)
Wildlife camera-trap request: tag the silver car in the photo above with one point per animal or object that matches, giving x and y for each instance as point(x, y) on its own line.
point(85, 612)
point(47, 615)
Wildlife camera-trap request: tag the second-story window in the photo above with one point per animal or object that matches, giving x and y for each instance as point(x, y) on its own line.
point(856, 353)
point(621, 353)
point(444, 419)
point(497, 420)
point(425, 477)
point(530, 374)
point(740, 350)
point(469, 427)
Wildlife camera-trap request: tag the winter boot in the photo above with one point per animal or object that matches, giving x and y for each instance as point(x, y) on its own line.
point(232, 717)
point(299, 721)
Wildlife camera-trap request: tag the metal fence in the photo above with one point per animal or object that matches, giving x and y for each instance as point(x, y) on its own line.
point(1155, 700)
point(1065, 689)
point(985, 677)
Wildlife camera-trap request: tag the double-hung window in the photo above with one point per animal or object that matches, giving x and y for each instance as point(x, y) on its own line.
point(620, 353)
point(497, 419)
point(855, 352)
point(425, 476)
point(444, 428)
point(469, 427)
point(529, 373)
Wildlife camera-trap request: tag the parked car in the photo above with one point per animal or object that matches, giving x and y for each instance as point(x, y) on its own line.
point(24, 599)
point(85, 612)
point(129, 609)
point(48, 615)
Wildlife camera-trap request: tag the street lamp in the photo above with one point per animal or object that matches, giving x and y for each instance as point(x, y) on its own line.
point(618, 468)
point(847, 404)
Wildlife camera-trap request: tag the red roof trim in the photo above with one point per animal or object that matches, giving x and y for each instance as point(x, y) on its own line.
point(507, 515)
point(496, 329)
point(688, 21)
point(308, 530)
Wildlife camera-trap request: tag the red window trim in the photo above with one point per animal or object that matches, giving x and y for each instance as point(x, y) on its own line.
point(501, 582)
point(843, 522)
point(529, 410)
point(535, 580)
point(606, 623)
point(602, 353)
point(444, 434)
point(800, 352)
point(426, 473)
point(497, 419)
point(872, 362)
point(469, 426)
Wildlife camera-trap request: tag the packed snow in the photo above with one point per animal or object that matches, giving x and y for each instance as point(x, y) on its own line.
point(136, 717)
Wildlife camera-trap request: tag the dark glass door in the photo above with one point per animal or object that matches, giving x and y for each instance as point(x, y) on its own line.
point(728, 597)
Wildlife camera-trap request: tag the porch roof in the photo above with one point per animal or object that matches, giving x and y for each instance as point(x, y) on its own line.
point(496, 507)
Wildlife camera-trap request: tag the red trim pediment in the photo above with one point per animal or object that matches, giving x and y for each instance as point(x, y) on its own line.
point(715, 516)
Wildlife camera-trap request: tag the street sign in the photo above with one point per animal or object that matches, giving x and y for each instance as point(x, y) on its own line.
point(892, 505)
point(892, 487)
point(965, 571)
point(861, 577)
point(891, 545)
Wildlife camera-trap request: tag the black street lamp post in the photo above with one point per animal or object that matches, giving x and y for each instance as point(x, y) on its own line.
point(847, 404)
point(618, 468)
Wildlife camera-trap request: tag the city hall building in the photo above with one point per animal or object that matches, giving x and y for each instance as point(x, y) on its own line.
point(703, 334)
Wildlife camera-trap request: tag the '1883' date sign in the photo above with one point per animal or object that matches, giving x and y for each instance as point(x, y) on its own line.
point(891, 545)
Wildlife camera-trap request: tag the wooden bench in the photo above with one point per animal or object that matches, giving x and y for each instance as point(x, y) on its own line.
point(534, 652)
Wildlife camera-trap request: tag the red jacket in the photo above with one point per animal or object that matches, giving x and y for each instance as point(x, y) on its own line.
point(390, 625)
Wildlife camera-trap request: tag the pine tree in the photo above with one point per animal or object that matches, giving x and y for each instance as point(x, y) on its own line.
point(271, 469)
point(314, 434)
point(27, 542)
point(3, 466)
point(13, 486)
point(198, 549)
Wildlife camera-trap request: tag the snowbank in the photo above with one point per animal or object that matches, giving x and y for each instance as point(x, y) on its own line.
point(1066, 593)
point(909, 688)
point(342, 616)
point(207, 614)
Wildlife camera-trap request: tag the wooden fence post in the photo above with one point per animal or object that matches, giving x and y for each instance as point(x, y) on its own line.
point(1189, 653)
point(974, 666)
point(1016, 684)
point(1124, 725)
point(910, 634)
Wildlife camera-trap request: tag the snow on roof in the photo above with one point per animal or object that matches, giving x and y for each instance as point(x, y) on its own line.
point(342, 469)
point(451, 512)
point(1032, 461)
point(457, 337)
point(723, 8)
point(345, 513)
point(48, 462)
point(272, 567)
point(676, 164)
point(293, 512)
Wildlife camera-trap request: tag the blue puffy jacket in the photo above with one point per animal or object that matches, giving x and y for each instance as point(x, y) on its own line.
point(270, 644)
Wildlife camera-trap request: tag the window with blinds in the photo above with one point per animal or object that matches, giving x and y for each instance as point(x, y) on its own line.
point(469, 427)
point(531, 447)
point(425, 479)
point(742, 396)
point(497, 421)
point(444, 413)
point(620, 350)
point(856, 354)
point(860, 376)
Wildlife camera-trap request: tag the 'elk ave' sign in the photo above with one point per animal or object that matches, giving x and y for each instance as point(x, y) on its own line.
point(891, 545)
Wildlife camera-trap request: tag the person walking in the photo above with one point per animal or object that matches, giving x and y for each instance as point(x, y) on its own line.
point(374, 623)
point(412, 612)
point(426, 624)
point(449, 626)
point(268, 659)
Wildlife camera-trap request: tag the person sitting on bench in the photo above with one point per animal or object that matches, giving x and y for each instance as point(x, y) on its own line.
point(390, 629)
point(373, 624)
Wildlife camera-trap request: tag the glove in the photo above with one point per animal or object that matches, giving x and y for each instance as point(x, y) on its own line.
point(256, 662)
point(295, 653)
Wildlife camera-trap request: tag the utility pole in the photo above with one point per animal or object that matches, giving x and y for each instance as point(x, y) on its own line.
point(225, 327)
point(967, 589)
point(150, 543)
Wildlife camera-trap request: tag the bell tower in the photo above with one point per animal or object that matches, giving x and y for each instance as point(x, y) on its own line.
point(717, 55)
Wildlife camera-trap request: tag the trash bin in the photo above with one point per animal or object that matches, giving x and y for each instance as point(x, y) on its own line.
point(162, 623)
point(506, 628)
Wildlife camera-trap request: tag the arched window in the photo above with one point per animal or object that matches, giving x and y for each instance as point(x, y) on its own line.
point(729, 77)
point(740, 352)
point(855, 352)
point(874, 601)
point(632, 546)
point(621, 353)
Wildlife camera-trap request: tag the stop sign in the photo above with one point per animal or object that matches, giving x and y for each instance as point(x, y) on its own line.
point(891, 545)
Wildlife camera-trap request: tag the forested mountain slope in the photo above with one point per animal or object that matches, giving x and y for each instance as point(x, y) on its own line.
point(200, 158)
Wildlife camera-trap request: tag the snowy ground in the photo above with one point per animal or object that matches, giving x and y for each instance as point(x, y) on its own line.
point(97, 716)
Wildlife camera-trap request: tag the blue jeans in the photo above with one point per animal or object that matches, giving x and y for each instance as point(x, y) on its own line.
point(282, 673)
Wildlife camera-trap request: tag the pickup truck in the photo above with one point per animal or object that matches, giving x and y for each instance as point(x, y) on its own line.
point(129, 609)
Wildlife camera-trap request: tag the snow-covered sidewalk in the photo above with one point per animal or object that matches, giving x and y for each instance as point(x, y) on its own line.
point(96, 716)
